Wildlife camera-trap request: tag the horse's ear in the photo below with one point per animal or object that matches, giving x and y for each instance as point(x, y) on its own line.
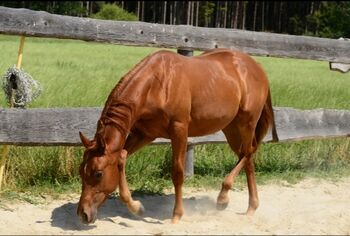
point(86, 142)
point(100, 141)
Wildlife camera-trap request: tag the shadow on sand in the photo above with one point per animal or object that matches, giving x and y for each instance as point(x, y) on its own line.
point(157, 209)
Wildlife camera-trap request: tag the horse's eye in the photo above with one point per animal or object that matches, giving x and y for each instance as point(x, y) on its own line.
point(98, 174)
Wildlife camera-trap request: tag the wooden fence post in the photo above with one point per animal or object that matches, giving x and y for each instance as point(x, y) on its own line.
point(6, 149)
point(190, 147)
point(189, 167)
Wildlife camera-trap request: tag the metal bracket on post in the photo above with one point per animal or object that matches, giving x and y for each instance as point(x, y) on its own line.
point(189, 170)
point(185, 52)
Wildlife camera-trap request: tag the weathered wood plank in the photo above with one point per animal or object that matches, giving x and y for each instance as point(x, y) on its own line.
point(49, 126)
point(60, 126)
point(42, 24)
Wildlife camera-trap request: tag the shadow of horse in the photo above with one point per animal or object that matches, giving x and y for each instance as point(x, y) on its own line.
point(157, 209)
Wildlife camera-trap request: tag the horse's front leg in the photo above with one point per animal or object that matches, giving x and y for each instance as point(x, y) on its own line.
point(134, 142)
point(134, 207)
point(178, 136)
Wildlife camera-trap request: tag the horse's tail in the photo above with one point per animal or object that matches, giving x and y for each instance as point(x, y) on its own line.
point(266, 120)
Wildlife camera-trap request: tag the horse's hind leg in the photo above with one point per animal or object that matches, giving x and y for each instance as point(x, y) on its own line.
point(240, 135)
point(253, 192)
point(234, 140)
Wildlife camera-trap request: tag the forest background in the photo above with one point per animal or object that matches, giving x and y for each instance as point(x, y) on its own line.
point(330, 19)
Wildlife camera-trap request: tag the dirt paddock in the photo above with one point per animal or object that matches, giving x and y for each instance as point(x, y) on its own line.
point(310, 207)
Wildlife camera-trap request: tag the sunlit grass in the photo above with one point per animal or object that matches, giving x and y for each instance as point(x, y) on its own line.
point(306, 84)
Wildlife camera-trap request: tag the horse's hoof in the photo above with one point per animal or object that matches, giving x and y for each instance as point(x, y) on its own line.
point(250, 212)
point(175, 220)
point(141, 210)
point(221, 206)
point(137, 208)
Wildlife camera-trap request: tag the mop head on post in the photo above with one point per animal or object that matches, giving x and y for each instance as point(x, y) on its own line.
point(27, 89)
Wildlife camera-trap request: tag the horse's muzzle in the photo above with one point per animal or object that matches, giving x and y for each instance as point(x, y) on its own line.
point(87, 216)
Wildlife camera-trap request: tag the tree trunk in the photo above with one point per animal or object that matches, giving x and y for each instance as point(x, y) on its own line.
point(142, 10)
point(235, 23)
point(171, 13)
point(217, 9)
point(225, 14)
point(197, 12)
point(263, 16)
point(154, 11)
point(175, 12)
point(244, 14)
point(87, 8)
point(312, 8)
point(254, 18)
point(229, 15)
point(138, 10)
point(192, 12)
point(280, 17)
point(164, 12)
point(206, 17)
point(188, 12)
point(275, 17)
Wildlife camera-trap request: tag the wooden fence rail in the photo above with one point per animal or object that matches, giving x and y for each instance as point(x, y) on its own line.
point(60, 126)
point(42, 24)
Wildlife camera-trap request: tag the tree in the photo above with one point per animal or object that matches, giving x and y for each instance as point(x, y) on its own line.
point(207, 10)
point(197, 11)
point(235, 22)
point(317, 18)
point(189, 4)
point(225, 14)
point(114, 12)
point(164, 12)
point(244, 14)
point(263, 16)
point(254, 17)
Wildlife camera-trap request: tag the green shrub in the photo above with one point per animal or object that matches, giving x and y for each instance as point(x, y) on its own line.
point(113, 12)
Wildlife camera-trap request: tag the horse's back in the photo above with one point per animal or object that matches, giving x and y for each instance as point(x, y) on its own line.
point(206, 90)
point(244, 69)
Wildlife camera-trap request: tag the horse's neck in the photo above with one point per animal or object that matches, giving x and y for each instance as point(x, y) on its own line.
point(115, 123)
point(120, 114)
point(123, 106)
point(127, 98)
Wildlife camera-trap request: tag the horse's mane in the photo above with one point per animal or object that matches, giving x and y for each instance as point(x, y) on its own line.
point(114, 100)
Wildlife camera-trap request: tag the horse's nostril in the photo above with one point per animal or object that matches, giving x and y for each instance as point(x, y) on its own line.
point(85, 218)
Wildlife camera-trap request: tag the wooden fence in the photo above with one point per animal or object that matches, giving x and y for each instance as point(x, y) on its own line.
point(42, 24)
point(60, 126)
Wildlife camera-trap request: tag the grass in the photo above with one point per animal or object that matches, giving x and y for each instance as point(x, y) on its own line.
point(81, 74)
point(306, 84)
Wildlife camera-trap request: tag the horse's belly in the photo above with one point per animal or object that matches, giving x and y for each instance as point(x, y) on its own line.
point(207, 126)
point(204, 124)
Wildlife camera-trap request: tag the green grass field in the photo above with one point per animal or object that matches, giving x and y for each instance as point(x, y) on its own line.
point(81, 74)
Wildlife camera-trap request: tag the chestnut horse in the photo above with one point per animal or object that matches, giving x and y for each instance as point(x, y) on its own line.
point(172, 96)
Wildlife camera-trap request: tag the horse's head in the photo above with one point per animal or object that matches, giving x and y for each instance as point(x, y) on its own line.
point(99, 174)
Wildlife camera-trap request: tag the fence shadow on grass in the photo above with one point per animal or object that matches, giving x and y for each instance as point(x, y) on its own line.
point(157, 209)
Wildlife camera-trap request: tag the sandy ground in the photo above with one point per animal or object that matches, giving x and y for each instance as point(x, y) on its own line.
point(309, 207)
